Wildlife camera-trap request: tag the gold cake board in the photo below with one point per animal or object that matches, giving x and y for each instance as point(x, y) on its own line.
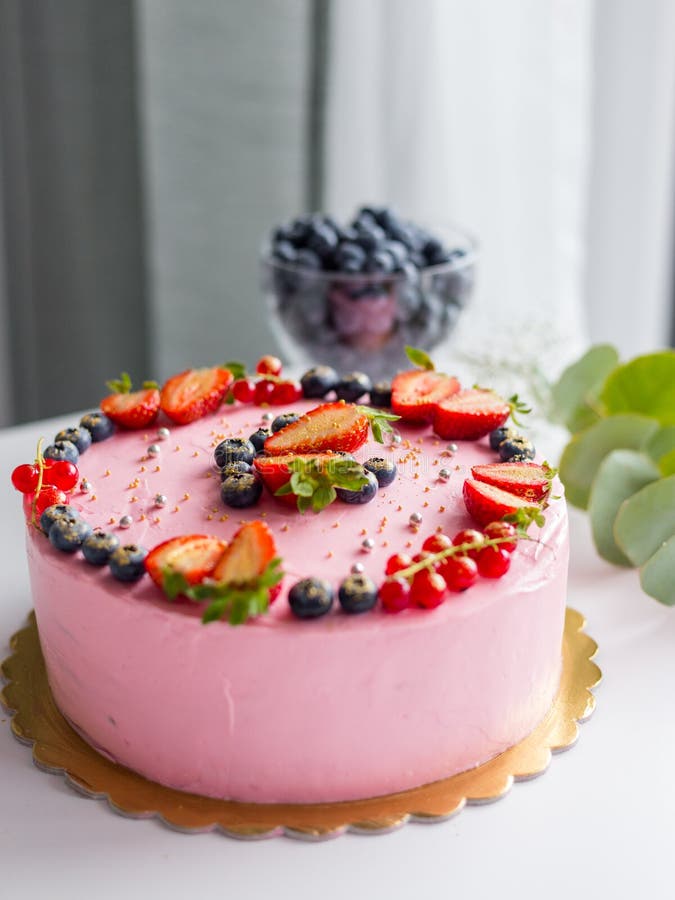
point(58, 748)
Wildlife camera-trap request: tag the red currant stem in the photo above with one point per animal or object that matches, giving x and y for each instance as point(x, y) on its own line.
point(455, 550)
point(40, 463)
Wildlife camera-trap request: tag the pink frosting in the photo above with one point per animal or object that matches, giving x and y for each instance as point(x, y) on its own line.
point(282, 710)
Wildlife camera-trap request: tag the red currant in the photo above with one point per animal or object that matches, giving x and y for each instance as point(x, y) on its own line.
point(61, 474)
point(25, 478)
point(397, 562)
point(49, 496)
point(469, 536)
point(244, 390)
point(422, 555)
point(427, 589)
point(263, 391)
point(436, 543)
point(458, 572)
point(395, 595)
point(269, 365)
point(285, 392)
point(502, 530)
point(493, 562)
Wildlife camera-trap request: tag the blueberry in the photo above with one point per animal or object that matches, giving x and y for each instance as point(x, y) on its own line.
point(384, 470)
point(308, 260)
point(241, 489)
point(398, 252)
point(52, 513)
point(357, 594)
point(322, 239)
point(380, 395)
point(258, 438)
point(364, 494)
point(387, 219)
point(98, 425)
point(62, 450)
point(379, 262)
point(370, 237)
point(126, 563)
point(297, 231)
point(97, 547)
point(81, 437)
point(349, 256)
point(351, 387)
point(319, 381)
point(516, 449)
point(501, 434)
point(283, 420)
point(310, 598)
point(235, 468)
point(435, 253)
point(281, 233)
point(68, 533)
point(234, 450)
point(285, 252)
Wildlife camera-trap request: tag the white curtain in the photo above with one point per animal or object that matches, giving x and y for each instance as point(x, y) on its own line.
point(507, 118)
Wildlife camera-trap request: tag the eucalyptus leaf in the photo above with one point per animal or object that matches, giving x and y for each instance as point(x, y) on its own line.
point(576, 389)
point(657, 576)
point(646, 521)
point(621, 474)
point(661, 443)
point(645, 385)
point(584, 454)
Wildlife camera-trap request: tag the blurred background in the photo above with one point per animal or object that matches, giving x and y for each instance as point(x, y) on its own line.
point(148, 146)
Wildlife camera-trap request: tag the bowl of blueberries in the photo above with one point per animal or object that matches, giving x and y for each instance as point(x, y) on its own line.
point(355, 296)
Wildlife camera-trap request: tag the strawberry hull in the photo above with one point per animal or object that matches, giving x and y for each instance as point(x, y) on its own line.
point(275, 472)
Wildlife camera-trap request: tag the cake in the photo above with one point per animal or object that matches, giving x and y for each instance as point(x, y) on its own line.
point(283, 709)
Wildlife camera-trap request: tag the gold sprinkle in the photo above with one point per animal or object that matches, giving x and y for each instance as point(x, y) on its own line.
point(263, 515)
point(209, 517)
point(416, 475)
point(363, 531)
point(186, 496)
point(106, 474)
point(94, 497)
point(157, 520)
point(425, 504)
point(284, 527)
point(435, 462)
point(176, 509)
point(142, 469)
point(329, 555)
point(209, 474)
point(427, 489)
point(385, 543)
point(196, 453)
point(142, 517)
point(399, 508)
point(441, 509)
point(224, 517)
point(335, 525)
point(214, 509)
point(408, 544)
point(133, 500)
point(157, 469)
point(176, 449)
point(383, 522)
point(111, 521)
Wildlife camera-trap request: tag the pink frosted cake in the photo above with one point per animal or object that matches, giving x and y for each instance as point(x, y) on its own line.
point(285, 708)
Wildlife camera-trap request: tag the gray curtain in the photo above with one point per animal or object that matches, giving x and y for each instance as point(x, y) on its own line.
point(145, 148)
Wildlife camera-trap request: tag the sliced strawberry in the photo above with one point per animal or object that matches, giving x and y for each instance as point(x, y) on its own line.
point(195, 393)
point(275, 471)
point(486, 503)
point(470, 415)
point(247, 555)
point(137, 409)
point(414, 394)
point(331, 426)
point(194, 556)
point(526, 479)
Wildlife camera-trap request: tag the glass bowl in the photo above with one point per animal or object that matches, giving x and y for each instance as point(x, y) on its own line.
point(364, 322)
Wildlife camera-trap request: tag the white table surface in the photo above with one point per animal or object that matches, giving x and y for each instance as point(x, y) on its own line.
point(600, 822)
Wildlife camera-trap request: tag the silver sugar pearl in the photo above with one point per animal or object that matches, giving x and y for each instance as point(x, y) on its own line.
point(160, 500)
point(452, 448)
point(85, 486)
point(358, 569)
point(163, 434)
point(153, 450)
point(367, 544)
point(391, 437)
point(126, 522)
point(267, 416)
point(444, 474)
point(415, 519)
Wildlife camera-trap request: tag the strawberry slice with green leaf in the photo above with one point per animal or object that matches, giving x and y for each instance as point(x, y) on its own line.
point(129, 408)
point(191, 557)
point(195, 393)
point(331, 426)
point(313, 480)
point(473, 413)
point(276, 471)
point(525, 479)
point(416, 392)
point(244, 581)
point(486, 503)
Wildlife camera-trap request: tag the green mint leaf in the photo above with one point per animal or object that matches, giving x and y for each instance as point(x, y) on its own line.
point(323, 496)
point(150, 386)
point(173, 583)
point(518, 408)
point(301, 485)
point(237, 369)
point(215, 610)
point(284, 489)
point(229, 399)
point(379, 421)
point(304, 503)
point(419, 358)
